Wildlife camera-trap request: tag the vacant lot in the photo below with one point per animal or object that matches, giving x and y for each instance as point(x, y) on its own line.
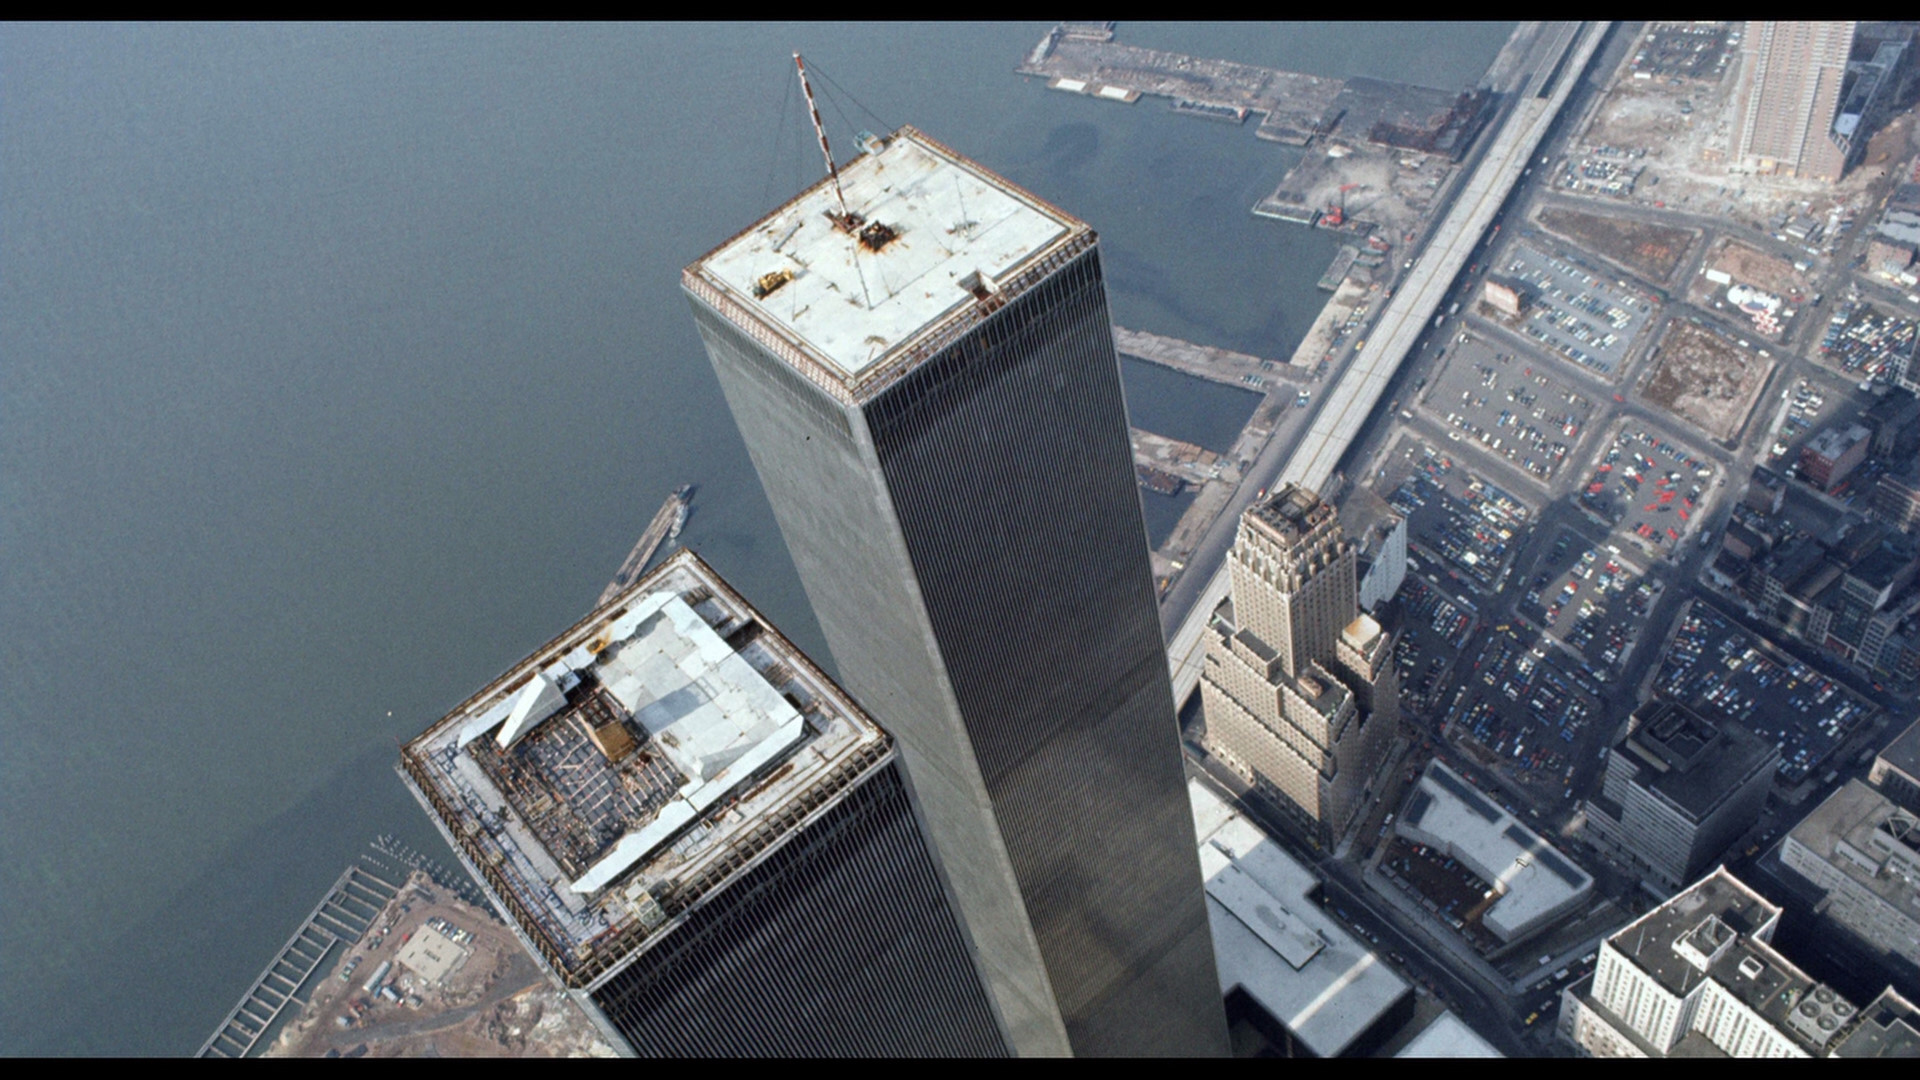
point(1654, 252)
point(1769, 273)
point(1706, 379)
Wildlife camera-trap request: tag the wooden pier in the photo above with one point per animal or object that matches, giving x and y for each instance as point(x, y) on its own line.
point(650, 542)
point(341, 918)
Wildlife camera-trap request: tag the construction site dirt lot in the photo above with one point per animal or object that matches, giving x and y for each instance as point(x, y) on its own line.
point(492, 1002)
point(1705, 379)
point(1674, 134)
point(1751, 266)
point(1653, 252)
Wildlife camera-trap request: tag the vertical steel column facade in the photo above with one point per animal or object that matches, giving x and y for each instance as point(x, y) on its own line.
point(972, 543)
point(841, 942)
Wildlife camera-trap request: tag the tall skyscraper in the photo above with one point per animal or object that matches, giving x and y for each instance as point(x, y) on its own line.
point(1300, 692)
point(1789, 96)
point(925, 377)
point(703, 839)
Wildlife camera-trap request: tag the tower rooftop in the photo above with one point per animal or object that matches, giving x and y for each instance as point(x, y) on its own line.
point(936, 237)
point(1292, 513)
point(633, 763)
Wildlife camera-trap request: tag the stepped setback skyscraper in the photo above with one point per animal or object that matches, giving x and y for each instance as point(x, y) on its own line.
point(1299, 689)
point(928, 387)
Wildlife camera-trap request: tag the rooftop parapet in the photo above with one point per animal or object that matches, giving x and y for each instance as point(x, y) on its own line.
point(937, 243)
point(604, 784)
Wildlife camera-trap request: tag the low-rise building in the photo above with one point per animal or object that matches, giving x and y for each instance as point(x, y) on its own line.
point(1698, 977)
point(1896, 769)
point(1766, 491)
point(1863, 852)
point(1502, 297)
point(1535, 884)
point(1448, 1037)
point(1833, 454)
point(1288, 970)
point(1678, 790)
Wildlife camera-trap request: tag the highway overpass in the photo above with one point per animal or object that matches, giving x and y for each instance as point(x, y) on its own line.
point(1345, 406)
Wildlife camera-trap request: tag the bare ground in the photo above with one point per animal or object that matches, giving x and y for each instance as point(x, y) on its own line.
point(1706, 379)
point(1654, 252)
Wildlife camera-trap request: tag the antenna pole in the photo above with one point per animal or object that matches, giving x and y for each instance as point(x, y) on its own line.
point(846, 219)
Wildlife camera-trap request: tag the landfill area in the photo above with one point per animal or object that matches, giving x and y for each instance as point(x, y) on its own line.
point(1862, 339)
point(437, 976)
point(1454, 515)
point(1508, 405)
point(1661, 135)
point(1593, 600)
point(1574, 310)
point(1724, 673)
point(1650, 251)
point(1707, 379)
point(1647, 487)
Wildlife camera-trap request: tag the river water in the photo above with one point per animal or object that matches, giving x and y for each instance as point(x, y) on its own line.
point(339, 366)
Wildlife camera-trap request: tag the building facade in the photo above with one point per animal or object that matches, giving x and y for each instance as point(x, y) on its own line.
point(1678, 790)
point(1698, 977)
point(1863, 851)
point(1299, 689)
point(924, 374)
point(1789, 97)
point(706, 843)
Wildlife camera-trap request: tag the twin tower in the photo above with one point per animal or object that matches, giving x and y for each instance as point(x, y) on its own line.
point(930, 394)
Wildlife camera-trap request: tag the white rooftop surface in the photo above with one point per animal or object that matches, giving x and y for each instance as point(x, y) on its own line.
point(1272, 941)
point(1533, 890)
point(1448, 1037)
point(854, 306)
point(716, 718)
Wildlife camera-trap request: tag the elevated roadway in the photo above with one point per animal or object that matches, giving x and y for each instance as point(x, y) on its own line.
point(1347, 404)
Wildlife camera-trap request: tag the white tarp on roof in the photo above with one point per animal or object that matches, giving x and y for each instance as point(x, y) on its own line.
point(716, 718)
point(538, 700)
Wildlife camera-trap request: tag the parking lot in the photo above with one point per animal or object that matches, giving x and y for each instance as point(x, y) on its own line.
point(1725, 673)
point(1510, 406)
point(1456, 515)
point(1593, 599)
point(1450, 892)
point(1648, 487)
point(1685, 51)
point(1809, 407)
point(1861, 339)
point(1524, 715)
point(1434, 631)
point(1576, 311)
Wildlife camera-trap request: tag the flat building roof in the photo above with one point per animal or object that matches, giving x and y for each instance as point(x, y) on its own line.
point(934, 235)
point(1275, 943)
point(608, 781)
point(1535, 880)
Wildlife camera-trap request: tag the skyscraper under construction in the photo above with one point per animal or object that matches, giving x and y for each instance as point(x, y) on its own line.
point(1299, 689)
point(919, 357)
point(703, 839)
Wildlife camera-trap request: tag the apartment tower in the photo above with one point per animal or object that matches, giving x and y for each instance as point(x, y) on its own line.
point(919, 357)
point(1789, 95)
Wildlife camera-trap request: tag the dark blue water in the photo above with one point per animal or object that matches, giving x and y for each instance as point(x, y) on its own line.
point(1184, 407)
point(343, 364)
